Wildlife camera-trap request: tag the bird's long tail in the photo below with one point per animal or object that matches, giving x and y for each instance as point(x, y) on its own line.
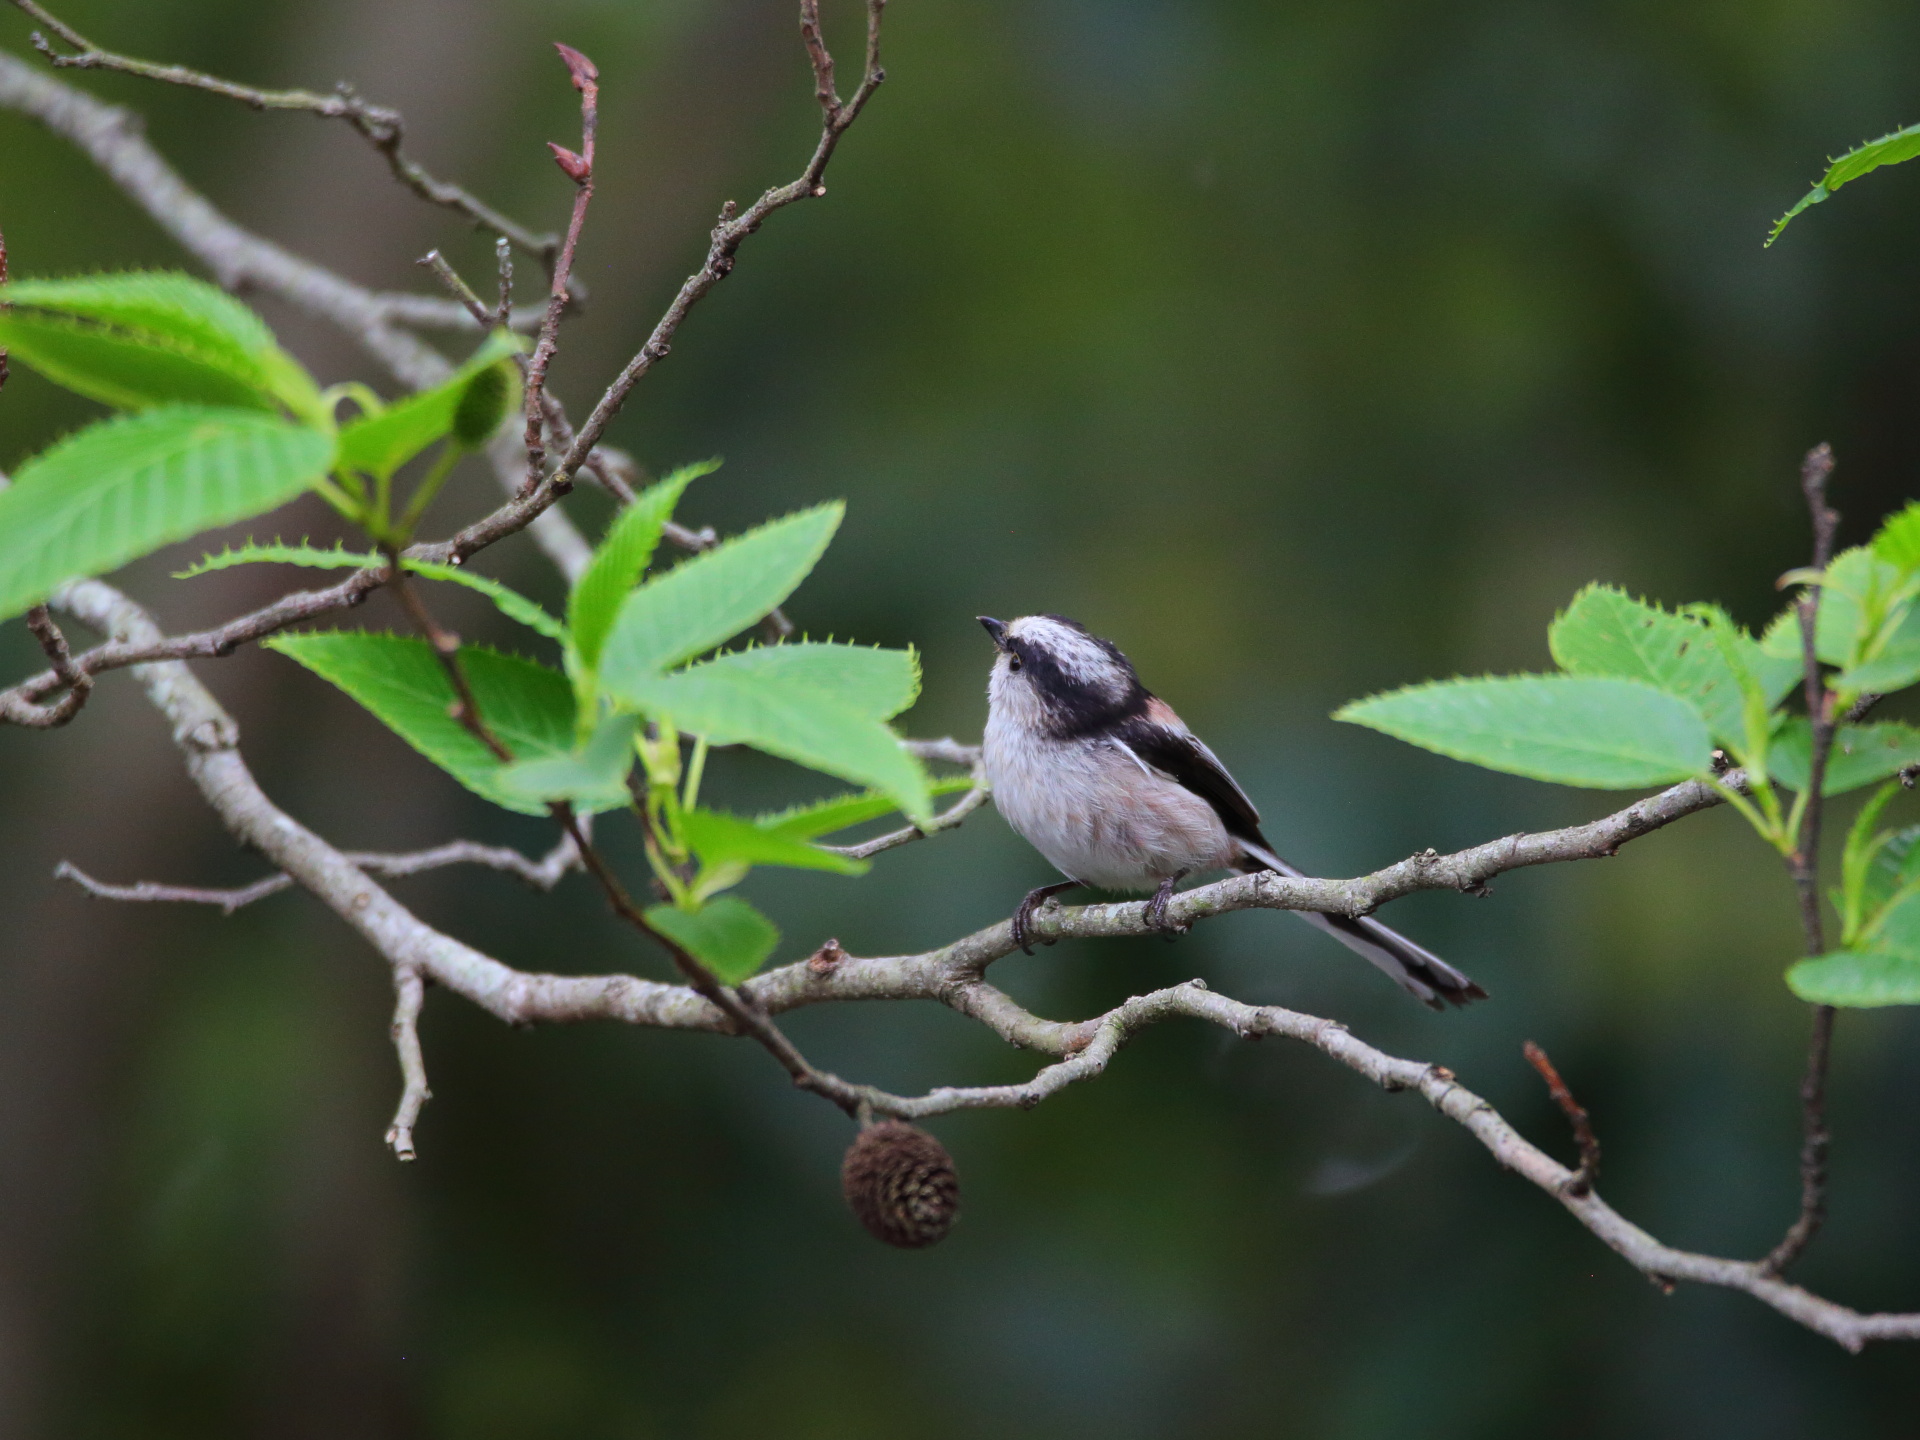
point(1411, 966)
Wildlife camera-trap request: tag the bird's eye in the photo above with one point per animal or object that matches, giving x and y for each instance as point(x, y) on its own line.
point(1013, 662)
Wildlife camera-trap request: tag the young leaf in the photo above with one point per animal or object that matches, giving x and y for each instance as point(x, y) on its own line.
point(1605, 632)
point(1861, 754)
point(1574, 730)
point(622, 558)
point(719, 839)
point(1862, 159)
point(727, 935)
point(528, 706)
point(733, 704)
point(1898, 540)
point(510, 603)
point(280, 553)
point(126, 486)
point(593, 777)
point(1895, 664)
point(876, 682)
point(380, 444)
point(1858, 979)
point(714, 596)
point(146, 338)
point(841, 812)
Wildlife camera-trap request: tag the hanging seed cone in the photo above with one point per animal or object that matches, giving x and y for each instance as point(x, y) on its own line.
point(900, 1183)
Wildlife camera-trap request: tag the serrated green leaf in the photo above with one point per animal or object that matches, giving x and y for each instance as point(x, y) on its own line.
point(1602, 733)
point(278, 552)
point(1604, 632)
point(125, 487)
point(727, 935)
point(510, 603)
point(1861, 754)
point(1896, 664)
point(714, 596)
point(876, 682)
point(593, 777)
point(1858, 979)
point(528, 706)
point(1862, 159)
point(146, 338)
point(1898, 540)
point(841, 812)
point(734, 704)
point(718, 839)
point(622, 558)
point(380, 444)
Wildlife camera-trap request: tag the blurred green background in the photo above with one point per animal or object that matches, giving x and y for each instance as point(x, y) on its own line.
point(1305, 349)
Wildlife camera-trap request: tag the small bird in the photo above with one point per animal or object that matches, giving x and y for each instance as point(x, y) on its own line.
point(1104, 780)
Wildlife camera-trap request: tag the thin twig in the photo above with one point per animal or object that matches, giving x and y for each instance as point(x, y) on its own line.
point(446, 649)
point(79, 684)
point(1582, 1179)
point(381, 127)
point(1804, 866)
point(579, 169)
point(947, 819)
point(542, 874)
point(732, 230)
point(409, 994)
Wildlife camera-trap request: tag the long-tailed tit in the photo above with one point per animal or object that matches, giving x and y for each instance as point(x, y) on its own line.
point(1106, 782)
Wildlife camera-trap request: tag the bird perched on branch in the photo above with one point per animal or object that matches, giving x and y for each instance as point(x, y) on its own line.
point(1104, 780)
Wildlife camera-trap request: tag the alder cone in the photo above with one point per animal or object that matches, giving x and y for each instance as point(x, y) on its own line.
point(900, 1184)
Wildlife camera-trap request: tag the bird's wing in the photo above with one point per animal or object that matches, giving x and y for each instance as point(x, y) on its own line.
point(1162, 739)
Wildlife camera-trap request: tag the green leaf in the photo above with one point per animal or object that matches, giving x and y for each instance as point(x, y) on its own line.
point(1858, 979)
point(510, 603)
point(732, 703)
point(1897, 542)
point(622, 558)
point(146, 338)
point(1862, 159)
point(718, 839)
point(125, 487)
point(278, 552)
point(593, 777)
point(1861, 754)
point(1574, 730)
point(1895, 665)
point(1605, 632)
point(876, 682)
point(527, 705)
point(841, 812)
point(380, 444)
point(714, 596)
point(727, 935)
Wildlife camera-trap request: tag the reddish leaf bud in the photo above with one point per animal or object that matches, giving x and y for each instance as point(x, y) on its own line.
point(575, 167)
point(900, 1184)
point(583, 70)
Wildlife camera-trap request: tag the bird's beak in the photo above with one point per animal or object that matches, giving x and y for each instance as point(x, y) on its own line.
point(996, 628)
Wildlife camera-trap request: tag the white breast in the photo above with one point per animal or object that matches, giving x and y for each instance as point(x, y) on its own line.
point(1097, 813)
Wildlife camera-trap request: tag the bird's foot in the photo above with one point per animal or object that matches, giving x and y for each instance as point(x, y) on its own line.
point(1024, 912)
point(1155, 913)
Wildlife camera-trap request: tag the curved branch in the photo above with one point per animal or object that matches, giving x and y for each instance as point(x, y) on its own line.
point(954, 975)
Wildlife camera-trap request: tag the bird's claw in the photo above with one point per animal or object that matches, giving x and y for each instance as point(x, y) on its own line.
point(1155, 911)
point(1022, 924)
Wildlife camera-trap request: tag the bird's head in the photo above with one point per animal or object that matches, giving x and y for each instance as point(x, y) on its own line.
point(1052, 675)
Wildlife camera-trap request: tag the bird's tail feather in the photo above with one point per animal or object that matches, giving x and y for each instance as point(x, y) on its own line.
point(1411, 966)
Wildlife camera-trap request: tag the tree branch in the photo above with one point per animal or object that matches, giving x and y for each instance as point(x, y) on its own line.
point(410, 993)
point(1804, 866)
point(734, 228)
point(542, 874)
point(380, 127)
